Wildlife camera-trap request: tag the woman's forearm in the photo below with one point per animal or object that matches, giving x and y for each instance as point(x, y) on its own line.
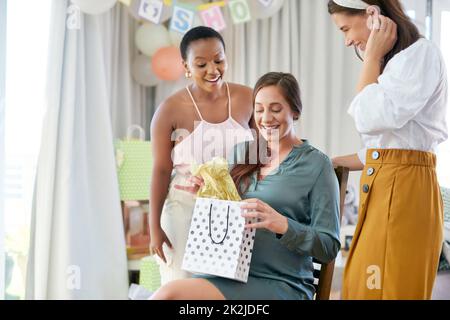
point(158, 193)
point(351, 161)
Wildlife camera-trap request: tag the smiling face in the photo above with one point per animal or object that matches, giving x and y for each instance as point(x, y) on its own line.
point(207, 63)
point(273, 115)
point(354, 28)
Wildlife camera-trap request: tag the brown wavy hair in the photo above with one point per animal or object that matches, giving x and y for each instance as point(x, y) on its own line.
point(289, 88)
point(407, 32)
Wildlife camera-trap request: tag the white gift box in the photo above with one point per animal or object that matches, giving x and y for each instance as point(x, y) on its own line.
point(218, 243)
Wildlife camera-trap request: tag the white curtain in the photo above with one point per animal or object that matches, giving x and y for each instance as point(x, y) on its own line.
point(127, 98)
point(77, 248)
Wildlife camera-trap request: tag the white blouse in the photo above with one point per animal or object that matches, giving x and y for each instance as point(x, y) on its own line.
point(407, 108)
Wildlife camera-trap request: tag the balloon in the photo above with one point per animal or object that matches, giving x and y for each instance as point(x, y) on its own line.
point(167, 64)
point(141, 70)
point(94, 7)
point(134, 11)
point(259, 11)
point(150, 37)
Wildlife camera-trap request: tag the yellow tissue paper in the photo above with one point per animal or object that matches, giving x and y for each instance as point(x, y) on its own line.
point(218, 182)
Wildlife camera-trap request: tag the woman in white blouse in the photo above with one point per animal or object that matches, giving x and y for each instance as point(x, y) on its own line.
point(400, 112)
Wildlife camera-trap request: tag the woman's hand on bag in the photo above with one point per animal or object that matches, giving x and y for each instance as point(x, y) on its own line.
point(267, 217)
point(158, 238)
point(381, 40)
point(196, 184)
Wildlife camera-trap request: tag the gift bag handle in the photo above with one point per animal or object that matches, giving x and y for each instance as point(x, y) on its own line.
point(131, 129)
point(210, 229)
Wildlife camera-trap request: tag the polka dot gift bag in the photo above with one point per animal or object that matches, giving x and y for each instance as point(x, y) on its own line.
point(218, 243)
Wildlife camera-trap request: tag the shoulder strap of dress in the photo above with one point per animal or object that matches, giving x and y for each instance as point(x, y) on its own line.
point(195, 104)
point(229, 100)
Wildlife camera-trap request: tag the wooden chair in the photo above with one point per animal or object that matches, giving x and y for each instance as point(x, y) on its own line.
point(445, 192)
point(323, 272)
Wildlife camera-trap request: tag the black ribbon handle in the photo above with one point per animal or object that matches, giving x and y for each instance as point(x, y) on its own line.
point(210, 228)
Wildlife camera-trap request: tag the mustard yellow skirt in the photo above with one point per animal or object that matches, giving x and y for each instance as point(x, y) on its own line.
point(398, 239)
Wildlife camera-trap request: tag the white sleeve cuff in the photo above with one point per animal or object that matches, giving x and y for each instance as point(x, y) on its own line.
point(362, 155)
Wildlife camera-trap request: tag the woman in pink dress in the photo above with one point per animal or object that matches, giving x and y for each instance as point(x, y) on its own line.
point(204, 120)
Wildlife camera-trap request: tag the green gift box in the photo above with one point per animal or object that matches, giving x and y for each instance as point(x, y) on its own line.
point(134, 164)
point(149, 276)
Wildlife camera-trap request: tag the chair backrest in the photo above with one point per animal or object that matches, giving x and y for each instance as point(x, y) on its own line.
point(445, 192)
point(323, 272)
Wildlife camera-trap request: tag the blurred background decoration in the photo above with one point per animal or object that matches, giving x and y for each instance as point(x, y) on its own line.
point(163, 23)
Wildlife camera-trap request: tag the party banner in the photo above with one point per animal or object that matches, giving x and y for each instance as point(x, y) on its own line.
point(151, 10)
point(182, 19)
point(213, 18)
point(240, 12)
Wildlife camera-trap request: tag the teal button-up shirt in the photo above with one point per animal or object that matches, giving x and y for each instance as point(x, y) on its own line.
point(304, 189)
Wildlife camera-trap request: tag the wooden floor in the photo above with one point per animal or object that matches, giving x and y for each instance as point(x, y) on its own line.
point(442, 286)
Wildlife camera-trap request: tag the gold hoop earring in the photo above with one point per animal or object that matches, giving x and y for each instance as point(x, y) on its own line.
point(188, 75)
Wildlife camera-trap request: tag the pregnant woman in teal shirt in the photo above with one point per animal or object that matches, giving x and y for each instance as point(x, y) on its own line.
point(294, 195)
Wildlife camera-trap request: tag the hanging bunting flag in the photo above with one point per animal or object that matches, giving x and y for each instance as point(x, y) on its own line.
point(211, 4)
point(151, 10)
point(213, 18)
point(182, 19)
point(266, 3)
point(126, 2)
point(183, 14)
point(239, 10)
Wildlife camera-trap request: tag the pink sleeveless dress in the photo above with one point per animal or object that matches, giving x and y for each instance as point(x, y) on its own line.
point(208, 140)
